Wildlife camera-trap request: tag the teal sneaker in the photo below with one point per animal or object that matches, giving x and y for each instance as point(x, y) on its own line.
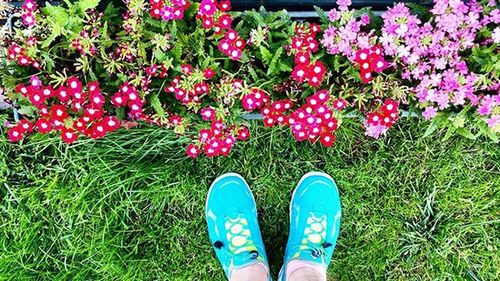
point(315, 213)
point(231, 215)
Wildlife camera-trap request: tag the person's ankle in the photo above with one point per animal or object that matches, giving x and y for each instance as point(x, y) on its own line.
point(253, 272)
point(297, 270)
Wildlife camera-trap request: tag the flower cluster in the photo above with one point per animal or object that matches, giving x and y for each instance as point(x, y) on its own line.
point(191, 86)
point(255, 99)
point(214, 15)
point(430, 53)
point(128, 96)
point(276, 113)
point(218, 140)
point(378, 122)
point(69, 108)
point(303, 45)
point(29, 12)
point(159, 64)
point(370, 60)
point(314, 120)
point(18, 54)
point(168, 9)
point(344, 35)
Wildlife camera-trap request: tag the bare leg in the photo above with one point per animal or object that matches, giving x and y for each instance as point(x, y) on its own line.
point(254, 272)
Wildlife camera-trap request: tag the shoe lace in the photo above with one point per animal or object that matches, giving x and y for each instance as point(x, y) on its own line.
point(314, 237)
point(240, 246)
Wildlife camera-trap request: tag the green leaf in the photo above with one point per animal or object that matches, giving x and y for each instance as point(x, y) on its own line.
point(487, 131)
point(272, 67)
point(266, 55)
point(57, 13)
point(322, 15)
point(87, 4)
point(120, 113)
point(285, 67)
point(27, 110)
point(156, 104)
point(466, 133)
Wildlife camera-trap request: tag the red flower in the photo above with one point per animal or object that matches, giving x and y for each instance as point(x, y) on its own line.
point(314, 80)
point(374, 118)
point(93, 113)
point(208, 73)
point(207, 22)
point(387, 121)
point(240, 43)
point(327, 139)
point(249, 102)
point(366, 67)
point(339, 104)
point(225, 21)
point(80, 125)
point(69, 135)
point(366, 76)
point(208, 114)
point(58, 112)
point(299, 72)
point(378, 65)
point(62, 94)
point(389, 106)
point(175, 119)
point(57, 124)
point(234, 53)
point(111, 123)
point(119, 100)
point(36, 98)
point(231, 35)
point(23, 90)
point(362, 56)
point(225, 5)
point(315, 28)
point(43, 125)
point(187, 69)
point(97, 99)
point(302, 58)
point(15, 133)
point(204, 135)
point(94, 87)
point(47, 91)
point(26, 126)
point(192, 150)
point(98, 130)
point(243, 133)
point(135, 108)
point(224, 46)
point(74, 84)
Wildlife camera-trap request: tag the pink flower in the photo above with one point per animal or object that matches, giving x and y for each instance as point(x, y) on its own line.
point(207, 114)
point(343, 4)
point(28, 19)
point(494, 122)
point(339, 104)
point(429, 112)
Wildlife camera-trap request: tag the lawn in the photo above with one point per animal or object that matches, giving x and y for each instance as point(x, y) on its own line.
point(131, 206)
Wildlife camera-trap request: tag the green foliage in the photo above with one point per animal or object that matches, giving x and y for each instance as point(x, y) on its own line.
point(58, 14)
point(131, 205)
point(87, 4)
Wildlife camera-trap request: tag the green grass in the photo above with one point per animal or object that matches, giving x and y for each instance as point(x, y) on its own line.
point(131, 206)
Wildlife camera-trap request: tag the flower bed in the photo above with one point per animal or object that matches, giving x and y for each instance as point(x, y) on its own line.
point(197, 68)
